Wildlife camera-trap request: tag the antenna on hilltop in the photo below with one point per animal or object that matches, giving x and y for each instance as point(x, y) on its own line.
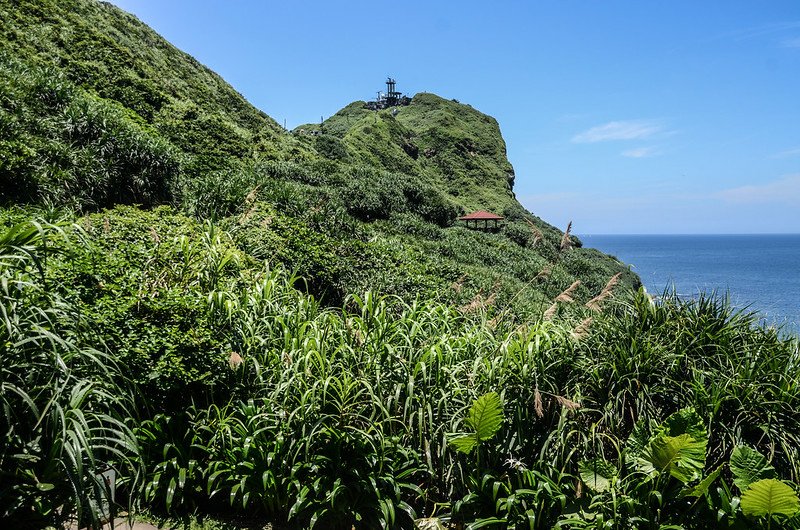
point(392, 98)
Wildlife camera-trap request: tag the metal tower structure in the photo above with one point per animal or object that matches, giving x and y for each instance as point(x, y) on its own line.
point(392, 98)
point(392, 95)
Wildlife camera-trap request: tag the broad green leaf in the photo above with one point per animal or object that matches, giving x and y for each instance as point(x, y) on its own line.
point(681, 456)
point(678, 447)
point(702, 488)
point(597, 474)
point(685, 421)
point(770, 497)
point(748, 466)
point(486, 416)
point(464, 443)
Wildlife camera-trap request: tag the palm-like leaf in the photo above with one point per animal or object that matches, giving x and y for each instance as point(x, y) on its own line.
point(681, 456)
point(678, 447)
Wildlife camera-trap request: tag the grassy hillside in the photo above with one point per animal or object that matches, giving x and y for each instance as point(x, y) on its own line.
point(450, 145)
point(113, 55)
point(99, 110)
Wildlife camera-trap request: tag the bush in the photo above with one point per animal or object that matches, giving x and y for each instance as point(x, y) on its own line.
point(331, 147)
point(69, 147)
point(370, 194)
point(518, 233)
point(64, 406)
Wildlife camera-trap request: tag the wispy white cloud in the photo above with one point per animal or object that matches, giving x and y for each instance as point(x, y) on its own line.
point(758, 31)
point(788, 153)
point(784, 190)
point(791, 43)
point(641, 152)
point(619, 130)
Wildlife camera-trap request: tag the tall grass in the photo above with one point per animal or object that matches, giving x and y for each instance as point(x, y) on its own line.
point(341, 417)
point(63, 403)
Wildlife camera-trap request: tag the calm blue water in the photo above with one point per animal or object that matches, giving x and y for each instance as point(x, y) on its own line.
point(759, 271)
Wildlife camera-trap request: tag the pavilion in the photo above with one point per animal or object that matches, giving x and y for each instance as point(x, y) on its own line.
point(482, 215)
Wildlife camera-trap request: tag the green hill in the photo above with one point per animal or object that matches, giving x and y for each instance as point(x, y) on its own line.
point(99, 110)
point(453, 146)
point(115, 57)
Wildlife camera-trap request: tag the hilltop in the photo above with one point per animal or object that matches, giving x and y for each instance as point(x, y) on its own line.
point(448, 144)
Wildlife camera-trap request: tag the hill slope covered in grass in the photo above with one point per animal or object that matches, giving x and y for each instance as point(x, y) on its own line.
point(99, 110)
point(290, 327)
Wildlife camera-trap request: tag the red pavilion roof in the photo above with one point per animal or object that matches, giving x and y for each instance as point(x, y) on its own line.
point(481, 215)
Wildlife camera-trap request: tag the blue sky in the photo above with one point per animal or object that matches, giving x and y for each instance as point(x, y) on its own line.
point(622, 116)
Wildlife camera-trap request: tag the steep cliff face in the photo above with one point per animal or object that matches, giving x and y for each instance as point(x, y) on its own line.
point(464, 147)
point(98, 110)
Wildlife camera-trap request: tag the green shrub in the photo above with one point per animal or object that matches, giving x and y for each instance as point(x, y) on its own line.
point(64, 406)
point(248, 396)
point(69, 147)
point(331, 147)
point(519, 234)
point(370, 195)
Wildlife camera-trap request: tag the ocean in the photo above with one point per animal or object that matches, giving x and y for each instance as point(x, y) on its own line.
point(758, 272)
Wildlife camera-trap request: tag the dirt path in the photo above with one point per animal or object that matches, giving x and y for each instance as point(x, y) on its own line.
point(124, 524)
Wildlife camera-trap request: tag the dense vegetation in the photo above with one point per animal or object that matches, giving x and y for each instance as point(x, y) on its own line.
point(242, 321)
point(97, 110)
point(147, 341)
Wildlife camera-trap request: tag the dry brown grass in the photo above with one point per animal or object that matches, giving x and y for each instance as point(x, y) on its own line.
point(566, 296)
point(537, 234)
point(595, 303)
point(582, 329)
point(235, 360)
point(537, 403)
point(566, 242)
